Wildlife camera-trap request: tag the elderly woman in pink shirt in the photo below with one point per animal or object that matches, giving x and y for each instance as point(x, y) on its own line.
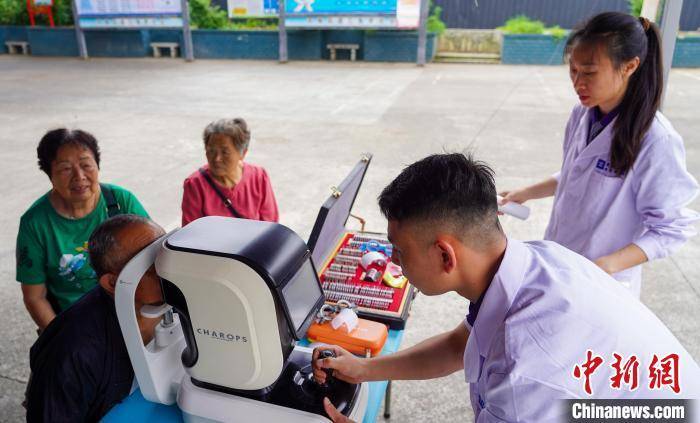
point(226, 185)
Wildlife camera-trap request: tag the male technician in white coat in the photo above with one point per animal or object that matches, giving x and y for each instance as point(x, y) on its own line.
point(544, 323)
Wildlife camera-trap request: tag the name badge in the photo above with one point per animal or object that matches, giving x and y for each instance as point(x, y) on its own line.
point(604, 168)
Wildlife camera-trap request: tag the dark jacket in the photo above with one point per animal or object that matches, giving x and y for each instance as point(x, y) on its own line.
point(80, 365)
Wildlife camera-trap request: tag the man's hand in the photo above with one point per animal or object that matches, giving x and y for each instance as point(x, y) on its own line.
point(345, 365)
point(333, 413)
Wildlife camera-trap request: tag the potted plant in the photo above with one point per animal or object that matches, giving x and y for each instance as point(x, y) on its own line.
point(528, 41)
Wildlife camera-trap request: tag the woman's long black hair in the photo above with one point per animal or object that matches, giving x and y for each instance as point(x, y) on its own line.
point(624, 37)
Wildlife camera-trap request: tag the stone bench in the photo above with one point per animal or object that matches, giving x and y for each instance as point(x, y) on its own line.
point(17, 47)
point(352, 47)
point(157, 47)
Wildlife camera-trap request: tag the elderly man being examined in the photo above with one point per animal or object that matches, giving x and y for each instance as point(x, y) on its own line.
point(80, 364)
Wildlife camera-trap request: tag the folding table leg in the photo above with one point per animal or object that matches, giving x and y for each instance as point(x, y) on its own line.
point(387, 401)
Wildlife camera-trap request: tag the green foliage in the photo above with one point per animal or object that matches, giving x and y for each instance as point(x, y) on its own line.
point(434, 22)
point(202, 15)
point(205, 16)
point(62, 12)
point(521, 24)
point(635, 7)
point(256, 23)
point(557, 32)
point(13, 12)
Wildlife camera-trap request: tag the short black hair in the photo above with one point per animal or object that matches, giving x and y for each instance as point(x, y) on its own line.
point(57, 138)
point(103, 247)
point(451, 188)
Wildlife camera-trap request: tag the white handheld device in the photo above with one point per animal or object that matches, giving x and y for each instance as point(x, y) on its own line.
point(513, 209)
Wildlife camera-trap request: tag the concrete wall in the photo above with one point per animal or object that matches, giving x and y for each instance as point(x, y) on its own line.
point(12, 33)
point(382, 46)
point(532, 49)
point(545, 50)
point(52, 42)
point(118, 43)
point(214, 44)
point(687, 52)
point(311, 45)
point(395, 46)
point(470, 41)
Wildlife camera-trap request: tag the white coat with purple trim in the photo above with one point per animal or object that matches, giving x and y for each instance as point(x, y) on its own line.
point(597, 212)
point(545, 308)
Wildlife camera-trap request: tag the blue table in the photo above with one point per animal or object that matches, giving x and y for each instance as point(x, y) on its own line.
point(136, 409)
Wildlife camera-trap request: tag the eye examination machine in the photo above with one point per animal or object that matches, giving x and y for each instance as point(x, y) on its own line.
point(238, 295)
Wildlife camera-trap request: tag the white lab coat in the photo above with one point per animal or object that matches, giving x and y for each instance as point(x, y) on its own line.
point(596, 212)
point(545, 307)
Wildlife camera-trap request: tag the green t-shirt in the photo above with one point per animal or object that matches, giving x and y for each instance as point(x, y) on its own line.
point(52, 249)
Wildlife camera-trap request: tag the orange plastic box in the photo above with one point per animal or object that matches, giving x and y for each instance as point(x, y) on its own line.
point(366, 339)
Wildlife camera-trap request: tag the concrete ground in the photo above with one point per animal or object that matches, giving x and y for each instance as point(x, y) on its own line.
point(310, 122)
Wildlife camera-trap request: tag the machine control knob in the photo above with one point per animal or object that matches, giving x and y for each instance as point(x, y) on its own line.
point(329, 372)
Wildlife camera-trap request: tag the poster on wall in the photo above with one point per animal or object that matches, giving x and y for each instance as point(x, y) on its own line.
point(252, 8)
point(375, 14)
point(129, 13)
point(408, 14)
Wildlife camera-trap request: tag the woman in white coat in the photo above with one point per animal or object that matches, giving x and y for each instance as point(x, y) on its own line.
point(621, 194)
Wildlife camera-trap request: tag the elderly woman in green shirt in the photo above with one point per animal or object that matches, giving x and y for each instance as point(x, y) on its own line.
point(52, 257)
